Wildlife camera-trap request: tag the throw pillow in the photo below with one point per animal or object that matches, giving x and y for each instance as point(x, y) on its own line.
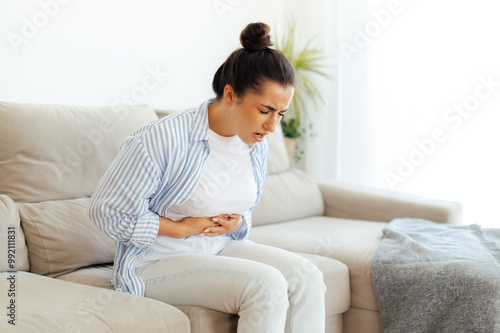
point(61, 238)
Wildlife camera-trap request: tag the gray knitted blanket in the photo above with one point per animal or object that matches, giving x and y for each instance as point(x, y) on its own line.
point(432, 277)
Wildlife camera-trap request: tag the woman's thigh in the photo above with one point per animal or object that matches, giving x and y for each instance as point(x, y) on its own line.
point(306, 289)
point(216, 282)
point(291, 265)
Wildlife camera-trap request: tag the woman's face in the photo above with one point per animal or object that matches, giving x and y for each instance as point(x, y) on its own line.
point(256, 115)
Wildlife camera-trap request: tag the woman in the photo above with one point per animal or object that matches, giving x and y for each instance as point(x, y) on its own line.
point(178, 200)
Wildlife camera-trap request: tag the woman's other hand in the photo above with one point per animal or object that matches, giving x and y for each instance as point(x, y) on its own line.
point(225, 224)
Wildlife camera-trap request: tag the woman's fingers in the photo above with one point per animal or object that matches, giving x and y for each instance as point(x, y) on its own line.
point(222, 224)
point(214, 231)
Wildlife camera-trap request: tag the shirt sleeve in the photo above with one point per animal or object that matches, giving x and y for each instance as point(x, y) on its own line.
point(120, 204)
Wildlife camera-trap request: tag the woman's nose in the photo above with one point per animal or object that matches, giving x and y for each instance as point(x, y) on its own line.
point(271, 123)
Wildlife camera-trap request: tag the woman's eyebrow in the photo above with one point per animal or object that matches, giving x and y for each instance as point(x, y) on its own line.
point(271, 108)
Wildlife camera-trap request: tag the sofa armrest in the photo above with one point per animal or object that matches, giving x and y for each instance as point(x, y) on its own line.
point(352, 201)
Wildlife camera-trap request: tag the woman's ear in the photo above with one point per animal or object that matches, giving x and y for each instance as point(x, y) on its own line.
point(229, 95)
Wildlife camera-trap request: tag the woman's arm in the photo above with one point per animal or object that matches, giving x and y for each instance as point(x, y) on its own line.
point(120, 204)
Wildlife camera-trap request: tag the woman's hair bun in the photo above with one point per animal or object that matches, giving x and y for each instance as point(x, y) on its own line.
point(256, 36)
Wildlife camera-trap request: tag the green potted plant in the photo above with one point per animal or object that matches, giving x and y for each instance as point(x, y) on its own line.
point(307, 64)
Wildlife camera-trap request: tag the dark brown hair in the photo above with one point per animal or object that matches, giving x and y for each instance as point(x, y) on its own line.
point(248, 68)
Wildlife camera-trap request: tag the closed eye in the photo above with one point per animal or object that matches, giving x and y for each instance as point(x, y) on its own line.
point(266, 112)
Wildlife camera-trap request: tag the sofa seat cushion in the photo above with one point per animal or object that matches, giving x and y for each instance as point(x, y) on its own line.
point(50, 305)
point(206, 320)
point(61, 238)
point(353, 242)
point(94, 275)
point(336, 279)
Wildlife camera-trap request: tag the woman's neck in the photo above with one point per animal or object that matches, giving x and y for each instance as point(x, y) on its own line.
point(219, 119)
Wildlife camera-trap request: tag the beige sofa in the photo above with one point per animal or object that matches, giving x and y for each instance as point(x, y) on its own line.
point(51, 158)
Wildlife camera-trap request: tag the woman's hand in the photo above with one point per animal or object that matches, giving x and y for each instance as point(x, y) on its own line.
point(206, 225)
point(197, 225)
point(224, 224)
point(186, 227)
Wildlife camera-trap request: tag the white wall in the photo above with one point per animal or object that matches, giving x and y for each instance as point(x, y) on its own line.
point(93, 52)
point(318, 20)
point(355, 116)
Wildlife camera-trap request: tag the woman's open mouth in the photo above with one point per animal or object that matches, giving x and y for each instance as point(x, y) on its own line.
point(258, 137)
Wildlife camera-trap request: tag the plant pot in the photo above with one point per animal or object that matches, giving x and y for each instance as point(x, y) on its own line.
point(290, 147)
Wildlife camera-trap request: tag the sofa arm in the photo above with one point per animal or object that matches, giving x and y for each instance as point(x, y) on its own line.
point(352, 201)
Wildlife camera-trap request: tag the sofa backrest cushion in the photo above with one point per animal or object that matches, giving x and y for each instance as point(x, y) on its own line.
point(287, 196)
point(13, 251)
point(51, 152)
point(61, 238)
point(278, 160)
point(289, 193)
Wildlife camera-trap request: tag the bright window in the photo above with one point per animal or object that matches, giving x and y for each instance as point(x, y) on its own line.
point(434, 75)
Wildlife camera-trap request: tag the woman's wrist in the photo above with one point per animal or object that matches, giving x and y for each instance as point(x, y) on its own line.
point(173, 229)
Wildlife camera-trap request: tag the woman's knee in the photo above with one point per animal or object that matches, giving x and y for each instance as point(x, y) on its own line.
point(265, 301)
point(304, 274)
point(267, 285)
point(270, 279)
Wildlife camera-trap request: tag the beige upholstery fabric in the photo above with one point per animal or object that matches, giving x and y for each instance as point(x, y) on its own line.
point(358, 202)
point(53, 152)
point(277, 161)
point(61, 238)
point(9, 217)
point(336, 278)
point(352, 242)
point(94, 275)
point(164, 113)
point(333, 324)
point(360, 320)
point(288, 195)
point(50, 305)
point(205, 320)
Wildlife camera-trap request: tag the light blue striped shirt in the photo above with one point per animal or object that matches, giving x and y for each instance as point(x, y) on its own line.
point(158, 166)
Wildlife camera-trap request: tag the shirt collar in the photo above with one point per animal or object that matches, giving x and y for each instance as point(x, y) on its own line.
point(199, 129)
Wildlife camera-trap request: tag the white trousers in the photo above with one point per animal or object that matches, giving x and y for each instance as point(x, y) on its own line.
point(272, 290)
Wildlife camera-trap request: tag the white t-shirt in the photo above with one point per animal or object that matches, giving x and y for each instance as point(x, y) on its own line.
point(227, 186)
